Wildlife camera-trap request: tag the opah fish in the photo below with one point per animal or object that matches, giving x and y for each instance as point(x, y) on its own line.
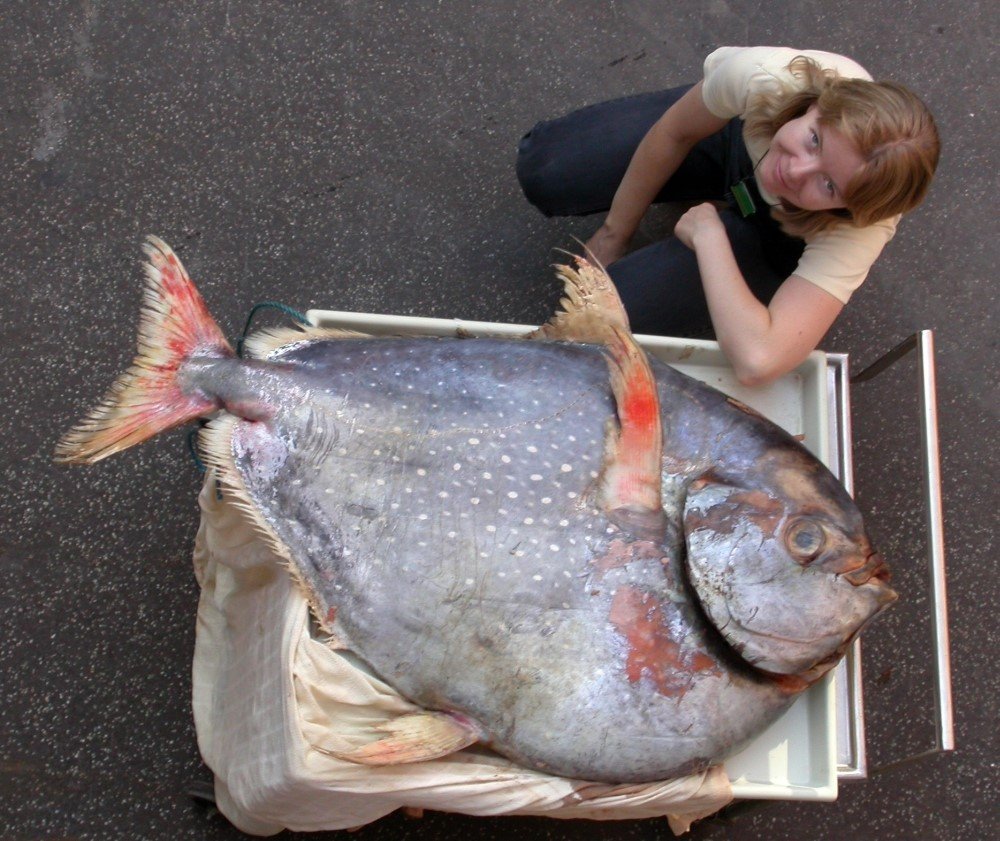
point(576, 555)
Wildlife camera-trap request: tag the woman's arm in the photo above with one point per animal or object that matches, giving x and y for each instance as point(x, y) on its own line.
point(656, 158)
point(761, 342)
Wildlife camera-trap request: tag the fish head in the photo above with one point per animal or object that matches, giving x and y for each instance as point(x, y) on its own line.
point(781, 564)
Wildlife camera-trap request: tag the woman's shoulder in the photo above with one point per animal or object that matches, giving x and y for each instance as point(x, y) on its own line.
point(839, 258)
point(880, 232)
point(732, 75)
point(774, 61)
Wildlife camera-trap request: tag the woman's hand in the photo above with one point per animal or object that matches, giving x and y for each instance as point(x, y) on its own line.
point(761, 342)
point(606, 246)
point(699, 222)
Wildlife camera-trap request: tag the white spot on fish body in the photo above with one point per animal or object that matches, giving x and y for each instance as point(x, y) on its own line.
point(565, 468)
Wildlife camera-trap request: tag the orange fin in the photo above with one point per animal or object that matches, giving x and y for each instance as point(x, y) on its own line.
point(593, 312)
point(630, 483)
point(414, 738)
point(147, 399)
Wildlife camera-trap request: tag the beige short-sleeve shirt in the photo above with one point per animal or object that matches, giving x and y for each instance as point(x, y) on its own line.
point(836, 260)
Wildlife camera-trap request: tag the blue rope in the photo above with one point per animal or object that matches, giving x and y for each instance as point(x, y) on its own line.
point(198, 463)
point(274, 305)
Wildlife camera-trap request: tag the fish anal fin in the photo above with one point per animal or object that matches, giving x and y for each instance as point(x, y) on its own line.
point(633, 451)
point(590, 308)
point(415, 738)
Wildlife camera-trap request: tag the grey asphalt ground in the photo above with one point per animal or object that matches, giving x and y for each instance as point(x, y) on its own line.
point(359, 156)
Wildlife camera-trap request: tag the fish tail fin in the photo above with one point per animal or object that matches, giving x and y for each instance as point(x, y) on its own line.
point(148, 398)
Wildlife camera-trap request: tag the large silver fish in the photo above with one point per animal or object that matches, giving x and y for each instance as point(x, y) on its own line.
point(576, 555)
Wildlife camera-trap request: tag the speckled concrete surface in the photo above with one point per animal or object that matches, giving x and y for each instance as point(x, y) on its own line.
point(359, 155)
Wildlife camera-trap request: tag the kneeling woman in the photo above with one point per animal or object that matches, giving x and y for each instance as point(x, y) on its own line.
point(812, 163)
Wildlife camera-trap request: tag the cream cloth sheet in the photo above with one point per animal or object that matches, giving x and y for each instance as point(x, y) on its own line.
point(270, 699)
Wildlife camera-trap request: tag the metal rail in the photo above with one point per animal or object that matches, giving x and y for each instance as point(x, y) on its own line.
point(923, 342)
point(852, 760)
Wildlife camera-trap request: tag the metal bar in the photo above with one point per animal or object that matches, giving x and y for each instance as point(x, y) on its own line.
point(887, 359)
point(931, 469)
point(851, 738)
point(935, 537)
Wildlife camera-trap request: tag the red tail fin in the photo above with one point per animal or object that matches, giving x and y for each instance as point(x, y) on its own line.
point(174, 326)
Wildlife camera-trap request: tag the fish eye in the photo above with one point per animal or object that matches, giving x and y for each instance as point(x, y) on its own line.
point(805, 539)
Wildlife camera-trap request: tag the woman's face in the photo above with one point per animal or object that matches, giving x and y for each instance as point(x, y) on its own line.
point(809, 165)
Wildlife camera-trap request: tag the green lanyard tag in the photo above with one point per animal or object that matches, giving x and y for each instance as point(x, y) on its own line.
point(743, 200)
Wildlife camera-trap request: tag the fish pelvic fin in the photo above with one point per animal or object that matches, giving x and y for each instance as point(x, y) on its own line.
point(591, 307)
point(415, 737)
point(174, 326)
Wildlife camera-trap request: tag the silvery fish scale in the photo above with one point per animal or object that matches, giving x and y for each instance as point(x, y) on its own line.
point(568, 552)
point(437, 497)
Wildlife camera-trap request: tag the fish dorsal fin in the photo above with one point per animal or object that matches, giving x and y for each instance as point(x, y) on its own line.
point(264, 343)
point(590, 306)
point(592, 312)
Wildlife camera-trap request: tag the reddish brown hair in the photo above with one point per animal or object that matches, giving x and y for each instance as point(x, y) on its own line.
point(888, 124)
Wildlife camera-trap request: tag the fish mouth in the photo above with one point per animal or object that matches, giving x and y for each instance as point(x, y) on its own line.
point(873, 567)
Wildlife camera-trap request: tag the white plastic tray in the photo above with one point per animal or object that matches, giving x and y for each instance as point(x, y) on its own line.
point(795, 758)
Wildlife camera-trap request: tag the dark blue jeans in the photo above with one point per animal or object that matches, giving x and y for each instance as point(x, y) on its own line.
point(572, 166)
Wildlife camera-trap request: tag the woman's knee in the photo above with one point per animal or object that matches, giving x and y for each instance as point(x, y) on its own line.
point(572, 165)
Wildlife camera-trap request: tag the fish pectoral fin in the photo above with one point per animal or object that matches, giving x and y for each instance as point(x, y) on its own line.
point(414, 738)
point(593, 312)
point(633, 450)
